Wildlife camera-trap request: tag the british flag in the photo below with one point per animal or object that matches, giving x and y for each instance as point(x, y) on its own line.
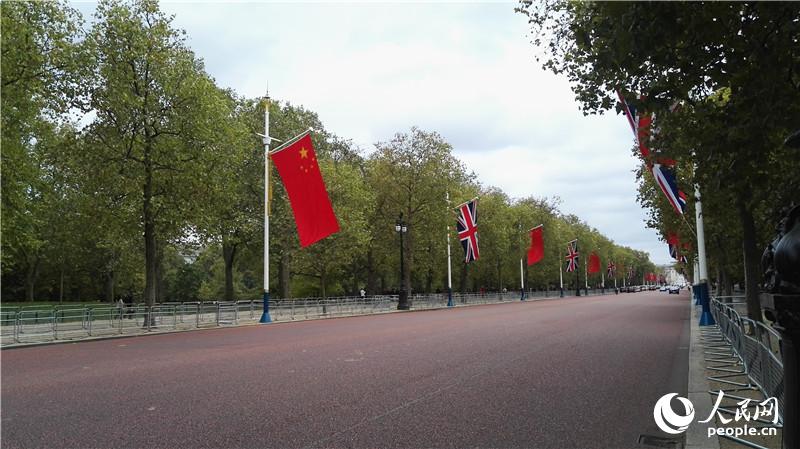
point(572, 256)
point(666, 180)
point(467, 226)
point(611, 270)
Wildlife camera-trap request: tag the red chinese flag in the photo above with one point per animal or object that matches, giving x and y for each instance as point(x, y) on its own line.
point(299, 169)
point(536, 251)
point(594, 264)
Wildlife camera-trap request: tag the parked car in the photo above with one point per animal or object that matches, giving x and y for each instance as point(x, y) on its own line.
point(674, 289)
point(663, 288)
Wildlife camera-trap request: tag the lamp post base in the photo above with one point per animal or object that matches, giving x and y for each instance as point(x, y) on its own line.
point(265, 318)
point(403, 303)
point(706, 319)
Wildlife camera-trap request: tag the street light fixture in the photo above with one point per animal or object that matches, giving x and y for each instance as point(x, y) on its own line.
point(401, 228)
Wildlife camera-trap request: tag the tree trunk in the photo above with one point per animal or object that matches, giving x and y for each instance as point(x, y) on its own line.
point(752, 262)
point(499, 275)
point(30, 279)
point(229, 255)
point(728, 279)
point(110, 286)
point(161, 295)
point(61, 285)
point(284, 275)
point(409, 261)
point(462, 282)
point(322, 281)
point(372, 278)
point(149, 239)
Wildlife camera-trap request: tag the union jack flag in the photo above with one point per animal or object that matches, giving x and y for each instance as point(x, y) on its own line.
point(572, 256)
point(672, 242)
point(611, 269)
point(467, 226)
point(666, 180)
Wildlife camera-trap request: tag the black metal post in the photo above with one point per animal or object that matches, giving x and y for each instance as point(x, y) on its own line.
point(401, 228)
point(781, 261)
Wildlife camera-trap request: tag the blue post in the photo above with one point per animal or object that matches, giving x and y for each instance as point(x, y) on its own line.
point(561, 294)
point(696, 294)
point(265, 318)
point(450, 297)
point(706, 319)
point(522, 296)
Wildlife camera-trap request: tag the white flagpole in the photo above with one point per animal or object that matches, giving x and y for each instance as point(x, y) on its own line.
point(701, 236)
point(265, 318)
point(602, 279)
point(561, 278)
point(521, 280)
point(449, 269)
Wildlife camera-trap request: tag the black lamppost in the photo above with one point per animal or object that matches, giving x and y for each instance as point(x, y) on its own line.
point(781, 301)
point(401, 228)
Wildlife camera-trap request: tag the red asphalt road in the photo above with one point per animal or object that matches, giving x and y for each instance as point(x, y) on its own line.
point(562, 373)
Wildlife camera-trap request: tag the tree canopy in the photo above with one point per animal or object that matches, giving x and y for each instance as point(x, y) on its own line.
point(128, 171)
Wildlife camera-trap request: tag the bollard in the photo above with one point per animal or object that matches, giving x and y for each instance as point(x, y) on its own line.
point(449, 292)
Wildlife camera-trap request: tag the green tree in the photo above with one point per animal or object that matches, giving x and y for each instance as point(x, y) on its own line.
point(692, 52)
point(158, 128)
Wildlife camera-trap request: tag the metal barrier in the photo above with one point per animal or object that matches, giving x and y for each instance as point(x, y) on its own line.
point(740, 347)
point(38, 324)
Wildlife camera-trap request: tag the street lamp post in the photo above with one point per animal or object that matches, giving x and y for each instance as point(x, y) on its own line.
point(401, 228)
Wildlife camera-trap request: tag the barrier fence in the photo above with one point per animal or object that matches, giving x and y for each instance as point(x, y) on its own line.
point(39, 324)
point(739, 347)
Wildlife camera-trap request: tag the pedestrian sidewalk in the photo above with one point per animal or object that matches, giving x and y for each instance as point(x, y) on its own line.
point(700, 386)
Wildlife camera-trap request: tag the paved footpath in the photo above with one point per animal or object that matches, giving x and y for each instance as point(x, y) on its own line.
point(561, 373)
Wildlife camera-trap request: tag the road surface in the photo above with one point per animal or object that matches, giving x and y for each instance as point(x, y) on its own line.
point(559, 373)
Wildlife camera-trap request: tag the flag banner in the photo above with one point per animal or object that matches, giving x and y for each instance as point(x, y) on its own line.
point(611, 270)
point(536, 250)
point(640, 124)
point(299, 170)
point(594, 263)
point(572, 256)
point(467, 226)
point(673, 242)
point(666, 180)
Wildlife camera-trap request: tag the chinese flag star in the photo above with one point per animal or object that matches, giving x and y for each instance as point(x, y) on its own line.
point(313, 213)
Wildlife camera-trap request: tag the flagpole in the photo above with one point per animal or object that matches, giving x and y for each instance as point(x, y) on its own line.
point(449, 269)
point(586, 274)
point(521, 280)
point(602, 280)
point(561, 277)
point(706, 319)
point(265, 318)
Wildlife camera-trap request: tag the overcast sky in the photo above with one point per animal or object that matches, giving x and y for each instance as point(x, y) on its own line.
point(465, 70)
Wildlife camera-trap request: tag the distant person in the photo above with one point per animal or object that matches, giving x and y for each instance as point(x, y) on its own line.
point(120, 307)
point(363, 293)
